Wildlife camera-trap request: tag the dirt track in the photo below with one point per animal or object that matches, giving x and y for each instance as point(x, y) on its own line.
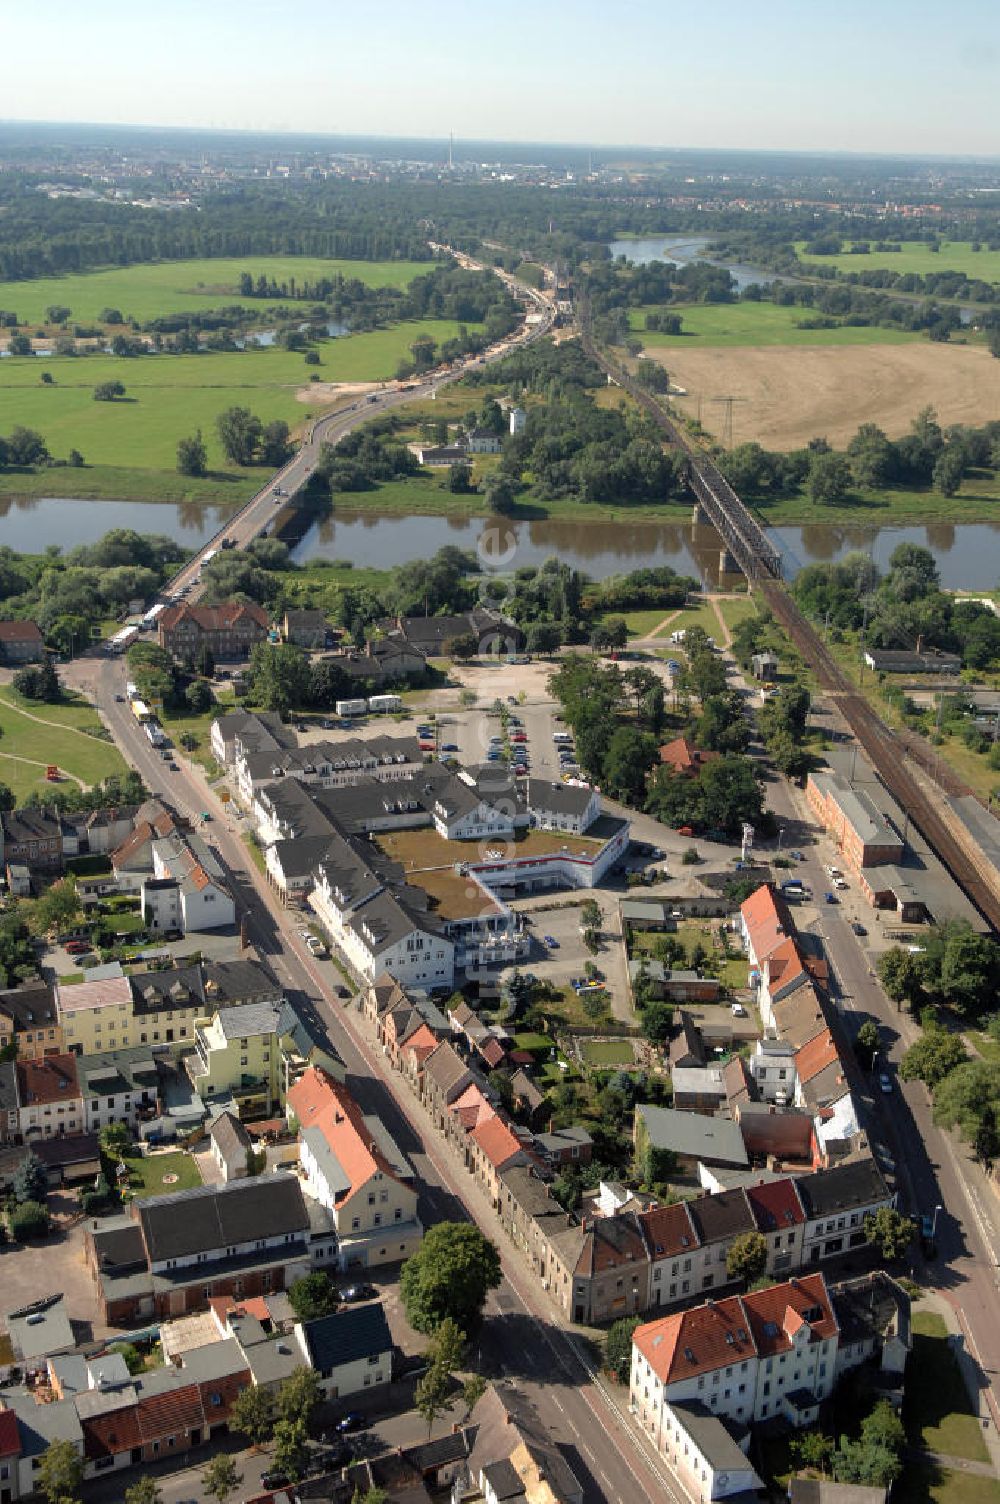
point(790, 395)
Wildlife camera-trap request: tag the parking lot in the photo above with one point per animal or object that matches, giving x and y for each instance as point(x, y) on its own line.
point(566, 960)
point(470, 731)
point(54, 1264)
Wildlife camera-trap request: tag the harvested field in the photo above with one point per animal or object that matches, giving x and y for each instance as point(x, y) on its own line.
point(789, 395)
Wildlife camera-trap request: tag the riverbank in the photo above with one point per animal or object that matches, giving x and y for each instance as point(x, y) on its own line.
point(427, 495)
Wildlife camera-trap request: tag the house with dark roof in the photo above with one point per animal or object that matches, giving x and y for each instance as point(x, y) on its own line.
point(513, 1458)
point(172, 1254)
point(306, 627)
point(708, 1453)
point(21, 642)
point(29, 1020)
point(836, 1202)
point(31, 838)
point(351, 1350)
point(231, 1146)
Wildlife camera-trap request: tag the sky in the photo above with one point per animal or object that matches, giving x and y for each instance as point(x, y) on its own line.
point(859, 75)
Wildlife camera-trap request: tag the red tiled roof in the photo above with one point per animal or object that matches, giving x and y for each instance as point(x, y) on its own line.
point(777, 1312)
point(669, 1230)
point(497, 1141)
point(492, 1052)
point(320, 1102)
point(684, 757)
point(20, 631)
point(51, 1079)
point(815, 1056)
point(170, 1414)
point(784, 964)
point(695, 1341)
point(220, 618)
point(10, 1440)
point(421, 1042)
point(472, 1107)
point(113, 1432)
point(767, 921)
point(775, 1205)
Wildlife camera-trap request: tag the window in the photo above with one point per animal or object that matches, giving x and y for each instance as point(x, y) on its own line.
point(373, 1360)
point(355, 1224)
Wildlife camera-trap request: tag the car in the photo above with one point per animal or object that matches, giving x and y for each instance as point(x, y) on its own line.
point(796, 856)
point(352, 1421)
point(450, 747)
point(119, 699)
point(274, 1478)
point(885, 1083)
point(839, 883)
point(78, 947)
point(738, 1010)
point(519, 736)
point(87, 959)
point(327, 725)
point(834, 872)
point(520, 771)
point(551, 942)
point(830, 898)
point(315, 946)
point(858, 927)
point(512, 699)
point(173, 766)
point(358, 1292)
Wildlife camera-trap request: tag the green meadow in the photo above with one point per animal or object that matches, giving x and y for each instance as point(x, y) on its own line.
point(168, 396)
point(727, 324)
point(149, 291)
point(915, 256)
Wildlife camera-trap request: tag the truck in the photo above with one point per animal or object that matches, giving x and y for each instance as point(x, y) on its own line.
point(150, 618)
point(351, 707)
point(141, 711)
point(131, 690)
point(383, 704)
point(121, 640)
point(208, 556)
point(155, 733)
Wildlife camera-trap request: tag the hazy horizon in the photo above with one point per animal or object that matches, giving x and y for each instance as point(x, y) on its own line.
point(894, 79)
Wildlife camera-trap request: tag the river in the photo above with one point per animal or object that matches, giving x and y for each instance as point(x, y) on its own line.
point(682, 249)
point(968, 554)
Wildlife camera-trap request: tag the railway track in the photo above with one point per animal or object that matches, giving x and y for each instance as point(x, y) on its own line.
point(886, 751)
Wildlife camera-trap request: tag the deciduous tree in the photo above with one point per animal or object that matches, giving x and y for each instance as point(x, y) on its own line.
point(450, 1275)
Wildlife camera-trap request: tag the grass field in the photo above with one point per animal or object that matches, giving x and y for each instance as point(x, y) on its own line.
point(789, 395)
point(915, 256)
point(728, 324)
point(168, 396)
point(148, 291)
point(700, 615)
point(38, 743)
point(605, 1052)
point(921, 1484)
point(737, 609)
point(937, 1408)
point(146, 1174)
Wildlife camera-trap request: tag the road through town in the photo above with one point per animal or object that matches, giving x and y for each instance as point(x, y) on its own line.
point(523, 1339)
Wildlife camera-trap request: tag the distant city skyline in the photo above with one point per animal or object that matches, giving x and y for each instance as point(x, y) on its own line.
point(894, 76)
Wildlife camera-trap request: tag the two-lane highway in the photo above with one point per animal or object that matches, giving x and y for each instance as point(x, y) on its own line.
point(254, 517)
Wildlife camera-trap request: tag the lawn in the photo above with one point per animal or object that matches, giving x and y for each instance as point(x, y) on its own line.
point(168, 396)
point(537, 1044)
point(729, 324)
point(701, 615)
point(976, 500)
point(605, 1052)
point(145, 292)
point(923, 1484)
point(146, 1174)
point(915, 256)
point(83, 757)
point(937, 1408)
point(736, 609)
point(986, 1046)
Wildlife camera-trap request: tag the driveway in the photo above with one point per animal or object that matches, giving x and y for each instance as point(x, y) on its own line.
point(49, 1265)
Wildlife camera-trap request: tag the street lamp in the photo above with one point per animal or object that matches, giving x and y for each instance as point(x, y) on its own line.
point(781, 835)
